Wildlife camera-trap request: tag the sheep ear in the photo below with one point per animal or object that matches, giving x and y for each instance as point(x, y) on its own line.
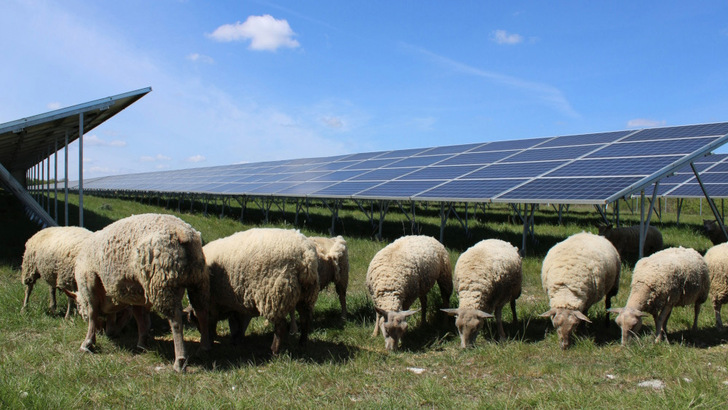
point(483, 315)
point(451, 312)
point(409, 312)
point(550, 313)
point(617, 311)
point(581, 316)
point(381, 312)
point(72, 295)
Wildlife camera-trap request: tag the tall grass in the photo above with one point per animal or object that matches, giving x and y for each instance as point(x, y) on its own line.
point(343, 366)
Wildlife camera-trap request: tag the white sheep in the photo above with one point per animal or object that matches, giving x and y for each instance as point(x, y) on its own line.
point(576, 273)
point(669, 278)
point(51, 254)
point(717, 260)
point(146, 262)
point(487, 277)
point(627, 240)
point(401, 272)
point(262, 272)
point(333, 268)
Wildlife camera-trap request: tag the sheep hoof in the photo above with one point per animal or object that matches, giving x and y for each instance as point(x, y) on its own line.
point(86, 348)
point(180, 365)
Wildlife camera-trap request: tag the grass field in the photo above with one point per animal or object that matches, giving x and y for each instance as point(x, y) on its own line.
point(343, 366)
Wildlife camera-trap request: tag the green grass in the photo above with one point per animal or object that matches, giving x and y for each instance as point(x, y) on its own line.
point(343, 366)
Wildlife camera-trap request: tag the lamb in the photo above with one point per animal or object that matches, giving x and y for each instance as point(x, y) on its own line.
point(713, 231)
point(627, 240)
point(487, 276)
point(263, 272)
point(576, 273)
point(333, 267)
point(401, 272)
point(51, 254)
point(717, 260)
point(669, 278)
point(146, 262)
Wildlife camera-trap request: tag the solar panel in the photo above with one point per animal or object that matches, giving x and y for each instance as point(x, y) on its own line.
point(587, 168)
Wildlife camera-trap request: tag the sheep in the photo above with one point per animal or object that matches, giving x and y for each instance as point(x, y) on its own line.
point(487, 276)
point(401, 272)
point(263, 272)
point(333, 267)
point(51, 254)
point(627, 240)
point(146, 262)
point(576, 273)
point(717, 260)
point(712, 230)
point(669, 278)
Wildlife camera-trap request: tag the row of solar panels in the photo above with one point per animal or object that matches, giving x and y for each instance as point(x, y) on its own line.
point(588, 168)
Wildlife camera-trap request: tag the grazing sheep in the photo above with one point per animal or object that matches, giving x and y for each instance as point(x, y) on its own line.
point(487, 277)
point(333, 267)
point(400, 273)
point(146, 262)
point(262, 272)
point(717, 260)
point(669, 278)
point(51, 254)
point(627, 240)
point(712, 230)
point(578, 272)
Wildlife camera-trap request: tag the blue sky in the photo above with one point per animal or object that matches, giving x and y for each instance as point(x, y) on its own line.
point(248, 81)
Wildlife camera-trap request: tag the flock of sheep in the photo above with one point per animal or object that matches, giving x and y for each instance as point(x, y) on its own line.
point(147, 262)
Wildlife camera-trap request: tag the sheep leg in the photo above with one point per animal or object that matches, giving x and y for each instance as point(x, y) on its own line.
point(499, 322)
point(376, 325)
point(695, 320)
point(69, 309)
point(28, 289)
point(278, 333)
point(88, 344)
point(306, 314)
point(513, 310)
point(203, 320)
point(294, 327)
point(141, 315)
point(661, 324)
point(52, 304)
point(718, 321)
point(341, 291)
point(238, 325)
point(180, 356)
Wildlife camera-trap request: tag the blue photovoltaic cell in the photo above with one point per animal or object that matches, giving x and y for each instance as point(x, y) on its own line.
point(333, 166)
point(272, 188)
point(693, 190)
point(547, 154)
point(452, 149)
point(635, 149)
point(470, 189)
point(714, 177)
point(510, 145)
point(384, 174)
point(273, 177)
point(570, 189)
point(403, 153)
point(371, 164)
point(613, 167)
point(514, 170)
point(678, 178)
point(481, 158)
point(343, 189)
point(585, 139)
point(239, 188)
point(681, 132)
point(417, 161)
point(304, 188)
point(723, 167)
point(305, 176)
point(338, 176)
point(398, 189)
point(365, 155)
point(440, 173)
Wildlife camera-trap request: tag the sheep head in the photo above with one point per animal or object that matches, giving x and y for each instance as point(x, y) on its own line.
point(629, 320)
point(469, 322)
point(393, 326)
point(565, 321)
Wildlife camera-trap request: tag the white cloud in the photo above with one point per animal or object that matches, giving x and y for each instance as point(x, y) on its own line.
point(94, 140)
point(503, 37)
point(158, 157)
point(54, 105)
point(197, 57)
point(264, 33)
point(644, 123)
point(196, 158)
point(333, 122)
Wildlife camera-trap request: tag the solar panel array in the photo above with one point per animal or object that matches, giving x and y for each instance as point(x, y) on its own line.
point(713, 171)
point(588, 168)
